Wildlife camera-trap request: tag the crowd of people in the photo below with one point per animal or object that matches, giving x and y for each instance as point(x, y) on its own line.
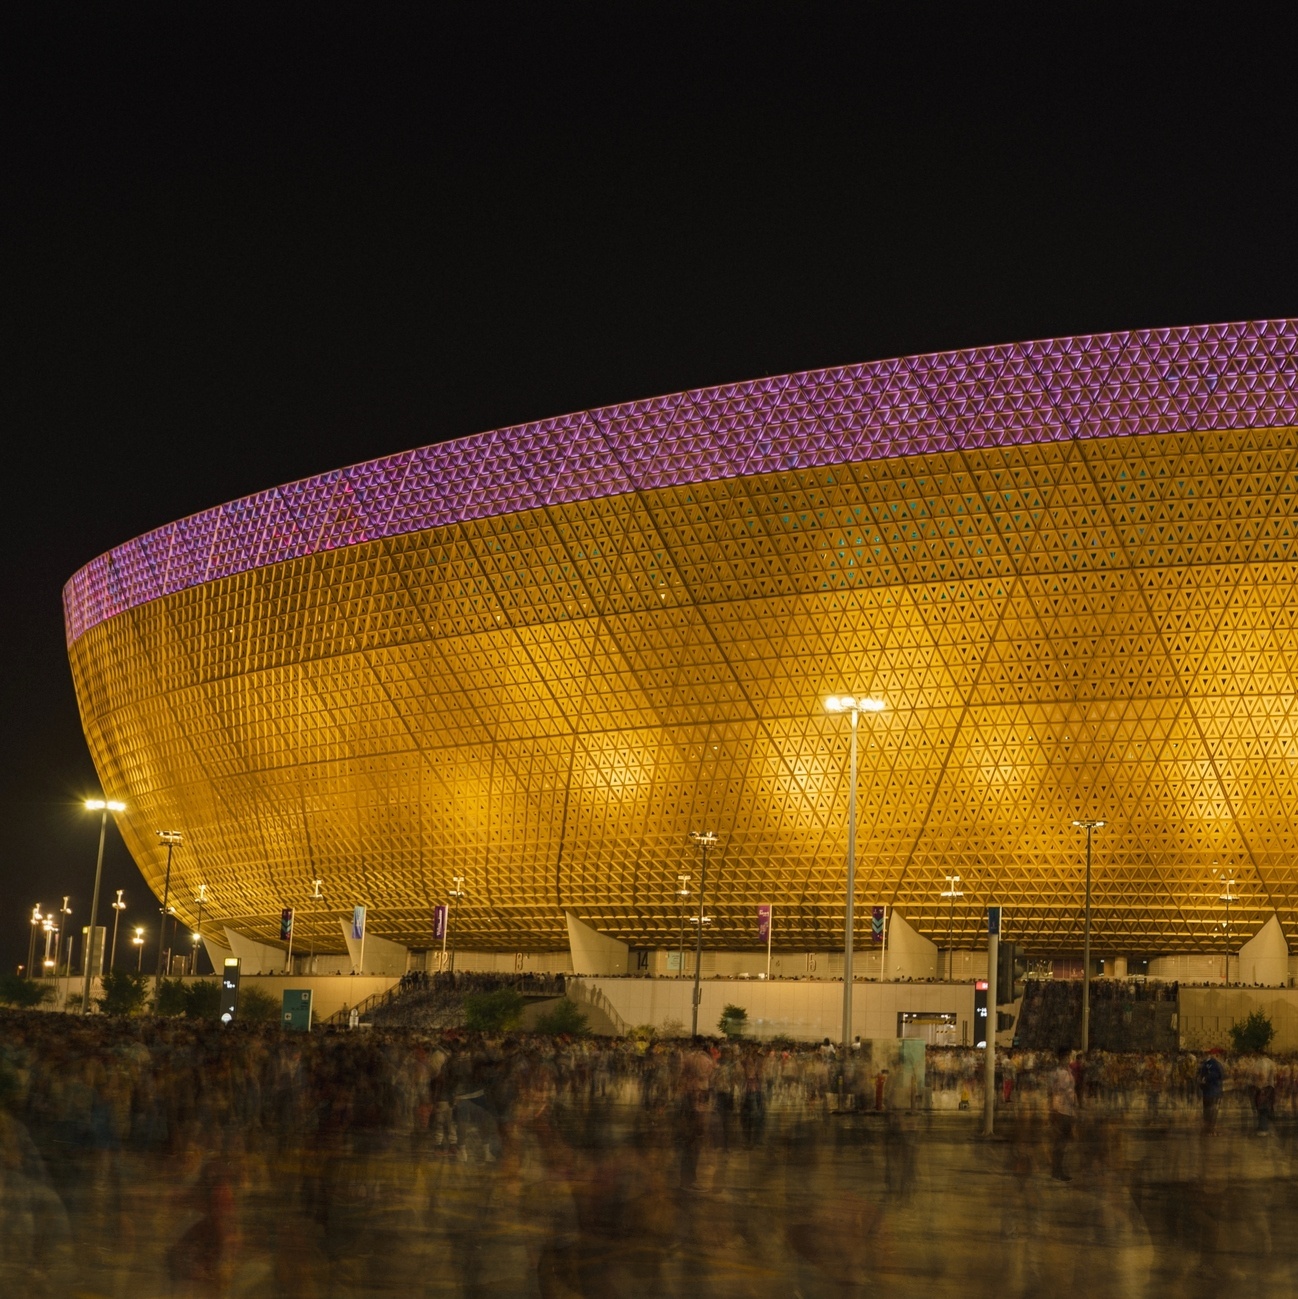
point(1126, 1014)
point(315, 1119)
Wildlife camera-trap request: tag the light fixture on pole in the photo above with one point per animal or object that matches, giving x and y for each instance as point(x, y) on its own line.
point(172, 838)
point(118, 907)
point(36, 921)
point(853, 706)
point(1090, 826)
point(705, 839)
point(1228, 897)
point(103, 806)
point(65, 911)
point(454, 895)
point(51, 934)
point(200, 901)
point(682, 893)
point(138, 942)
point(952, 891)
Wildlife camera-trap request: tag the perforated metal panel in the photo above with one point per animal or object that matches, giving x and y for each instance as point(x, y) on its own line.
point(539, 658)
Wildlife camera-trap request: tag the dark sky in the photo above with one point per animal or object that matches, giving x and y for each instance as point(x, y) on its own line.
point(242, 249)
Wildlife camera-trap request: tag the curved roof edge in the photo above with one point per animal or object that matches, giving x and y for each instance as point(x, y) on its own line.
point(1229, 376)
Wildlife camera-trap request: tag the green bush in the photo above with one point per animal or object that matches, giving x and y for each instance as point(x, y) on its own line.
point(564, 1020)
point(733, 1021)
point(257, 1006)
point(1254, 1034)
point(17, 991)
point(125, 993)
point(493, 1012)
point(170, 997)
point(202, 1000)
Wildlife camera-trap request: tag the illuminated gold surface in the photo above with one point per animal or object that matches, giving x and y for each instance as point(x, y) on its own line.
point(548, 702)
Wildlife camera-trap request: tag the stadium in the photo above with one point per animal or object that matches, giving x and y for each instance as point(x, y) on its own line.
point(523, 667)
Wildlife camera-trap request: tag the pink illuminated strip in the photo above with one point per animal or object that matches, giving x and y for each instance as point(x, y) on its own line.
point(1109, 385)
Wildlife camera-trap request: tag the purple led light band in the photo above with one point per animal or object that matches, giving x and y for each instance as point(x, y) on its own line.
point(1107, 385)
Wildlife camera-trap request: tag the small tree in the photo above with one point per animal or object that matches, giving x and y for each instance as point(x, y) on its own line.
point(1254, 1034)
point(17, 991)
point(493, 1012)
point(733, 1021)
point(170, 997)
point(125, 993)
point(202, 1000)
point(257, 1007)
point(565, 1019)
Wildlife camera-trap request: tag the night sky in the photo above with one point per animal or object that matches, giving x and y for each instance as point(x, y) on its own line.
point(243, 250)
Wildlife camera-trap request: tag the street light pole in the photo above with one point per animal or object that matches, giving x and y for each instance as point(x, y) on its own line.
point(198, 933)
point(118, 907)
point(1228, 897)
point(454, 895)
point(683, 892)
point(103, 807)
point(66, 912)
point(37, 918)
point(705, 840)
point(852, 705)
point(171, 838)
point(952, 891)
point(138, 940)
point(1089, 826)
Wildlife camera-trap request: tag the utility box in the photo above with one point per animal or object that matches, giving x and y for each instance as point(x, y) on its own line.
point(296, 1014)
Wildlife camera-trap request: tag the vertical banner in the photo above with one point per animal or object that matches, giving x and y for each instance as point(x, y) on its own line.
point(358, 924)
point(286, 924)
point(764, 922)
point(876, 924)
point(439, 923)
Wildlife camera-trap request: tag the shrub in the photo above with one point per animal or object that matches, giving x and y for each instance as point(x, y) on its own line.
point(170, 997)
point(125, 993)
point(493, 1012)
point(1254, 1034)
point(564, 1019)
point(202, 1000)
point(733, 1021)
point(257, 1006)
point(17, 991)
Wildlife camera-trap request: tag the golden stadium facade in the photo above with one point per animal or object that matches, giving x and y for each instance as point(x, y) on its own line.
point(540, 657)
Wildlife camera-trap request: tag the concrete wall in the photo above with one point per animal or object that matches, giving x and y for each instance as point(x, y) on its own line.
point(1206, 1014)
point(806, 1010)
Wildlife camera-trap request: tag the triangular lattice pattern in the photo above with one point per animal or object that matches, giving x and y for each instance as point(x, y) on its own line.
point(547, 701)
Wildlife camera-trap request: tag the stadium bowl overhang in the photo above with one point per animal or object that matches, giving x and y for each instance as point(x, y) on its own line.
point(539, 657)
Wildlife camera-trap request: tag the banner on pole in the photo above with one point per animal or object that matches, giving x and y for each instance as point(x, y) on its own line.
point(994, 920)
point(286, 924)
point(358, 923)
point(763, 922)
point(876, 924)
point(439, 923)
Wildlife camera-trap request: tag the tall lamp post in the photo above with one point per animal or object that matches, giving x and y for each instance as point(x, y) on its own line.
point(138, 943)
point(118, 907)
point(172, 838)
point(853, 706)
point(37, 920)
point(66, 912)
point(705, 839)
point(1228, 897)
point(453, 896)
point(201, 901)
point(1090, 826)
point(683, 892)
point(952, 891)
point(103, 806)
